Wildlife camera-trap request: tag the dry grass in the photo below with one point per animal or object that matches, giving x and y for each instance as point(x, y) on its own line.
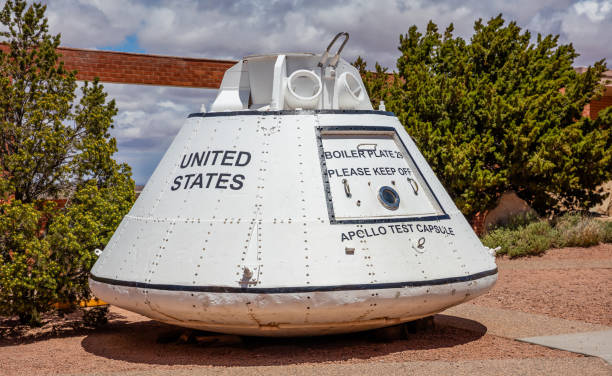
point(570, 230)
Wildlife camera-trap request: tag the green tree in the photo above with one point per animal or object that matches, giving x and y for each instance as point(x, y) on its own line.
point(55, 148)
point(375, 82)
point(502, 112)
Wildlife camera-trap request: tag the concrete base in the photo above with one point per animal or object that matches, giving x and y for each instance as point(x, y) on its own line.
point(590, 343)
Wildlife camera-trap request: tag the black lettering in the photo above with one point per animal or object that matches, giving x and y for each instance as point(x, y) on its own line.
point(177, 183)
point(216, 153)
point(210, 176)
point(229, 155)
point(197, 181)
point(247, 155)
point(360, 233)
point(239, 181)
point(188, 176)
point(331, 172)
point(382, 230)
point(183, 164)
point(328, 155)
point(197, 159)
point(351, 234)
point(222, 180)
point(344, 237)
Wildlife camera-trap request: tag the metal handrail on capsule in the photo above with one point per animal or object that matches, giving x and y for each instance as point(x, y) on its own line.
point(336, 58)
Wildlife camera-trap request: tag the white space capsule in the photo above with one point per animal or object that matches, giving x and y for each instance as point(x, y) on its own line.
point(292, 208)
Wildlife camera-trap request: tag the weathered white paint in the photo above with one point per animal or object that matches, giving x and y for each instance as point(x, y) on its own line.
point(267, 225)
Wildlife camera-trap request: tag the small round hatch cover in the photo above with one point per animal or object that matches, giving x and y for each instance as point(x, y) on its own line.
point(388, 197)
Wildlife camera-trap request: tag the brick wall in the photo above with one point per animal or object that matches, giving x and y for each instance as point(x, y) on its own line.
point(598, 105)
point(129, 68)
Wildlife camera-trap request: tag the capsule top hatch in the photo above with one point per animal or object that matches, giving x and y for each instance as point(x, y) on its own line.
point(297, 81)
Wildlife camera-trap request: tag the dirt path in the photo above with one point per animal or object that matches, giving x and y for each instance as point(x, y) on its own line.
point(549, 285)
point(460, 345)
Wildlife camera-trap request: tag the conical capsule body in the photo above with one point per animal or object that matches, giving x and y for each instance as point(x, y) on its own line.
point(290, 221)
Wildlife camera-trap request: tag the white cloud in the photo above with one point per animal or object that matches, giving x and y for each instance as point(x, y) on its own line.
point(594, 10)
point(172, 106)
point(150, 116)
point(94, 24)
point(232, 29)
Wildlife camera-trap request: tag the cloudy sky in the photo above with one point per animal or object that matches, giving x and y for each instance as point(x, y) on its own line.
point(150, 116)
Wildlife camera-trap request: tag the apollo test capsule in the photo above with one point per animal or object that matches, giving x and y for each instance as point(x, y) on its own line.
point(292, 208)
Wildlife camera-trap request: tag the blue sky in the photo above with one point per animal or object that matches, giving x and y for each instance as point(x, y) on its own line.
point(149, 116)
point(129, 44)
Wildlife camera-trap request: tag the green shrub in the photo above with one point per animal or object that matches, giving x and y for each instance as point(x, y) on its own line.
point(55, 145)
point(28, 283)
point(500, 237)
point(533, 239)
point(499, 111)
point(570, 230)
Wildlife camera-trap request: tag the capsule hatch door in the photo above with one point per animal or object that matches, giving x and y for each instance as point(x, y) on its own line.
point(369, 176)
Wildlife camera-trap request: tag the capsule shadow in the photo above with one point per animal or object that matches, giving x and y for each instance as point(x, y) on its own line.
point(138, 343)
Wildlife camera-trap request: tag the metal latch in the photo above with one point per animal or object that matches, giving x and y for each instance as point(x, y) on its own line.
point(347, 189)
point(414, 185)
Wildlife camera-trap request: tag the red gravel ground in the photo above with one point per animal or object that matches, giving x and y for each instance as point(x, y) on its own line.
point(126, 345)
point(583, 294)
point(128, 342)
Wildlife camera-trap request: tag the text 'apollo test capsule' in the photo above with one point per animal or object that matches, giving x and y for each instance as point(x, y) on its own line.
point(292, 208)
